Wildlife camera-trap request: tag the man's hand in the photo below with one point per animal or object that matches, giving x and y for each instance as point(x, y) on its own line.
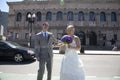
point(58, 45)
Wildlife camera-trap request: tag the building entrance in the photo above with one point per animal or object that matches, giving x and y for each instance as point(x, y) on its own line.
point(92, 38)
point(81, 35)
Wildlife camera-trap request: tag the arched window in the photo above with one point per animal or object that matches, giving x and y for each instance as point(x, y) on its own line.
point(91, 16)
point(27, 16)
point(19, 17)
point(81, 16)
point(113, 17)
point(49, 16)
point(59, 15)
point(102, 17)
point(38, 16)
point(70, 16)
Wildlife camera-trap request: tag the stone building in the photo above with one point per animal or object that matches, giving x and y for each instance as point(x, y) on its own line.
point(97, 22)
point(3, 22)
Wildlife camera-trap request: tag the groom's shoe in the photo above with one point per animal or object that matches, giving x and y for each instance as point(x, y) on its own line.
point(49, 78)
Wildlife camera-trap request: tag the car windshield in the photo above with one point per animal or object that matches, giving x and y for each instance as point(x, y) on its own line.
point(13, 44)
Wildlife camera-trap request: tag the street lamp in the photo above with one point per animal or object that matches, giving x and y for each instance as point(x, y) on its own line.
point(31, 20)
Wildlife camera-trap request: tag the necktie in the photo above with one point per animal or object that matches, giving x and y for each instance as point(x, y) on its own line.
point(45, 35)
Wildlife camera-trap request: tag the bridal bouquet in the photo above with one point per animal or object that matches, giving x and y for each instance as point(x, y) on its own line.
point(67, 39)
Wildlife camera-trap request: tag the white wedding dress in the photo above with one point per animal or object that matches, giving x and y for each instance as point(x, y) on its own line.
point(72, 67)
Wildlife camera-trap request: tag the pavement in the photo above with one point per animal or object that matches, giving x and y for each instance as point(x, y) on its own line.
point(95, 52)
point(11, 76)
point(16, 76)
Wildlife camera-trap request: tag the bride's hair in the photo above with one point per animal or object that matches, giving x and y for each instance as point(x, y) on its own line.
point(69, 26)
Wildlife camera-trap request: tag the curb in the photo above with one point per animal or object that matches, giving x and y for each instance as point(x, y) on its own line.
point(93, 52)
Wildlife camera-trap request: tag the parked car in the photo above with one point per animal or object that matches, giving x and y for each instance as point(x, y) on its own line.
point(62, 49)
point(14, 51)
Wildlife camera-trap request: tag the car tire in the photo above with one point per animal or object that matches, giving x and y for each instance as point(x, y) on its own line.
point(61, 52)
point(18, 57)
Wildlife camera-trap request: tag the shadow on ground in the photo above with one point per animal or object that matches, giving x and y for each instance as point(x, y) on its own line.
point(11, 62)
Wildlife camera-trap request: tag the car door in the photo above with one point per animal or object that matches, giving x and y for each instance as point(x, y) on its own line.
point(4, 49)
point(1, 49)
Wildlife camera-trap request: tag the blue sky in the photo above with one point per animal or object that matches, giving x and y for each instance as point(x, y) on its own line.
point(3, 5)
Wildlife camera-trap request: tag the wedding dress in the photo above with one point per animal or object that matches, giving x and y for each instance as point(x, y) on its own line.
point(72, 66)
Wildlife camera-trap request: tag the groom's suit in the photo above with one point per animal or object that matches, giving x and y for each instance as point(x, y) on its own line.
point(43, 49)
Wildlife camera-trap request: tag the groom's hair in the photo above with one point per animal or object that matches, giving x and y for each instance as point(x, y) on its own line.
point(46, 23)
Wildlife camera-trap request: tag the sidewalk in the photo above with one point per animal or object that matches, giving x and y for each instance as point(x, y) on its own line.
point(91, 52)
point(10, 76)
point(95, 52)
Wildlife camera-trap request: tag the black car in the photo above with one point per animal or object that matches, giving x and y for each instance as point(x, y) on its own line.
point(14, 51)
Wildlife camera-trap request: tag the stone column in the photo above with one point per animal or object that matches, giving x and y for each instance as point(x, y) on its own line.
point(108, 19)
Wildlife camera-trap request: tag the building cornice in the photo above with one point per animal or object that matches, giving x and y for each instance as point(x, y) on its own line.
point(65, 2)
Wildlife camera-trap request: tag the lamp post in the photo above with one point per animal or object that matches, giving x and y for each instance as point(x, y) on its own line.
point(31, 20)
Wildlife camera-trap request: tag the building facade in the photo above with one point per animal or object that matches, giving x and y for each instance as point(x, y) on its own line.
point(97, 22)
point(3, 23)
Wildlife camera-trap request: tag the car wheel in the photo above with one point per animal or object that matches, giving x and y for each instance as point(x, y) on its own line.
point(18, 57)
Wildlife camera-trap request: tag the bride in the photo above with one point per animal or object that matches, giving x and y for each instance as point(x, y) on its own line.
point(72, 67)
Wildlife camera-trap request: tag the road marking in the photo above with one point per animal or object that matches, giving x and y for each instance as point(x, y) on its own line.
point(91, 76)
point(116, 76)
point(1, 72)
point(34, 76)
point(31, 74)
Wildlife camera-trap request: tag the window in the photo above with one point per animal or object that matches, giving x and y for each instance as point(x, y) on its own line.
point(49, 16)
point(91, 16)
point(16, 35)
point(11, 36)
point(115, 36)
point(70, 16)
point(26, 35)
point(113, 17)
point(19, 17)
point(102, 17)
point(38, 16)
point(27, 16)
point(80, 16)
point(59, 15)
point(3, 46)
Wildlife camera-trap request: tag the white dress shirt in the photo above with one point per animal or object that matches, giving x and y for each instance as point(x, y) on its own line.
point(45, 34)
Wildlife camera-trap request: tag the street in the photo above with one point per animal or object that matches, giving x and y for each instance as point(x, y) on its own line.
point(97, 67)
point(31, 28)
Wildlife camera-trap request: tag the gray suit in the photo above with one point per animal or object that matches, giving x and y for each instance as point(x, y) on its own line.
point(43, 49)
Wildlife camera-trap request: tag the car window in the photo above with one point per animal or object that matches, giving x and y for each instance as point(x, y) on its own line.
point(9, 44)
point(3, 46)
point(13, 45)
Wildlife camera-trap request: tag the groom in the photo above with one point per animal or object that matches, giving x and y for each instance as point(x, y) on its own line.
point(43, 49)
